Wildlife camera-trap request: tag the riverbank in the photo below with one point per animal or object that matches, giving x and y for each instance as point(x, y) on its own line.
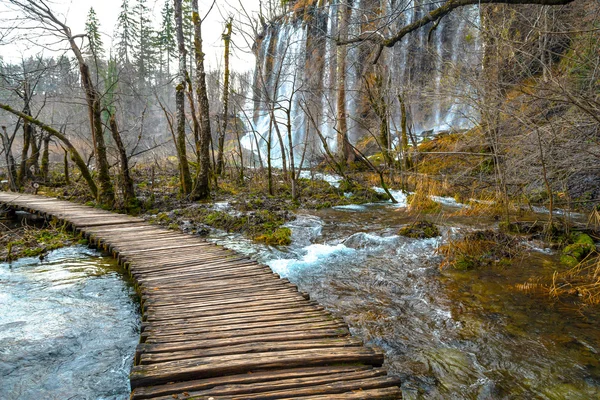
point(20, 238)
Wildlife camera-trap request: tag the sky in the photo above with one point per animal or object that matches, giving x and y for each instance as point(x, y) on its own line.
point(74, 12)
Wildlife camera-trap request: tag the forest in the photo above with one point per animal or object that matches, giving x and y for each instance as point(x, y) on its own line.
point(429, 171)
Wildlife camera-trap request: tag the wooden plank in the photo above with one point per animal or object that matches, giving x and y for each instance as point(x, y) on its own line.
point(218, 309)
point(334, 388)
point(225, 316)
point(388, 393)
point(267, 390)
point(172, 371)
point(255, 347)
point(238, 340)
point(267, 299)
point(163, 249)
point(200, 273)
point(192, 287)
point(204, 261)
point(321, 321)
point(217, 334)
point(231, 293)
point(242, 274)
point(265, 317)
point(175, 298)
point(163, 390)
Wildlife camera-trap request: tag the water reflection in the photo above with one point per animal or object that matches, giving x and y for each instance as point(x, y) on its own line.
point(68, 327)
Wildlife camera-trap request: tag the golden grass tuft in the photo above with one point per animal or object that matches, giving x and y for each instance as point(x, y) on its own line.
point(582, 280)
point(479, 248)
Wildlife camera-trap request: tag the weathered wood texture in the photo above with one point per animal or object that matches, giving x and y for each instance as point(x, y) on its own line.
point(218, 325)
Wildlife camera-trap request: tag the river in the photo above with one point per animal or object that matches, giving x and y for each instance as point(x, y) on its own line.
point(69, 326)
point(447, 334)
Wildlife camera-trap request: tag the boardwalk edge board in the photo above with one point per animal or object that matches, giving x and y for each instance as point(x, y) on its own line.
point(216, 324)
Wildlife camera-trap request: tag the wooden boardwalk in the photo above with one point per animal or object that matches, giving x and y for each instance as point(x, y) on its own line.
point(217, 325)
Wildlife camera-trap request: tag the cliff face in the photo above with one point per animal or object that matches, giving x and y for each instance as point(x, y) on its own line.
point(297, 70)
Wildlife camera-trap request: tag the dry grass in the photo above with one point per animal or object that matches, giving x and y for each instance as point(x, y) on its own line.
point(594, 220)
point(479, 248)
point(583, 280)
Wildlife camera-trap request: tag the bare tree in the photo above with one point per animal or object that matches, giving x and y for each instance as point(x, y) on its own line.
point(39, 10)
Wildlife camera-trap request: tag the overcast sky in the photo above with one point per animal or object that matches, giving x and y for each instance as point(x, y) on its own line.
point(74, 12)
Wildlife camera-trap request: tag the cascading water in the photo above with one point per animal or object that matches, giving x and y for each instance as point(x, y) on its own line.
point(297, 72)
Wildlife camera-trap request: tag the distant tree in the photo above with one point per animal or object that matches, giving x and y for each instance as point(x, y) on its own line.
point(144, 54)
point(125, 34)
point(95, 47)
point(166, 39)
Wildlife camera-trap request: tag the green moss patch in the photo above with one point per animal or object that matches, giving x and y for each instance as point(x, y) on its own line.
point(420, 230)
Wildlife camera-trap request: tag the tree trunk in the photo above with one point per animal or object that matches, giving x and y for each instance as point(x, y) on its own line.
point(404, 138)
point(184, 169)
point(10, 161)
point(291, 147)
point(66, 167)
point(344, 150)
point(241, 149)
point(223, 132)
point(201, 188)
point(106, 194)
point(23, 171)
point(126, 181)
point(34, 160)
point(45, 157)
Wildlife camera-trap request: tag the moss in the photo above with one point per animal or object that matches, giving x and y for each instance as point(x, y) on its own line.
point(280, 237)
point(420, 230)
point(32, 242)
point(582, 238)
point(581, 247)
point(465, 263)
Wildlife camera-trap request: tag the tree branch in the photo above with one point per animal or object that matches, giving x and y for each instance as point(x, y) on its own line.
point(435, 15)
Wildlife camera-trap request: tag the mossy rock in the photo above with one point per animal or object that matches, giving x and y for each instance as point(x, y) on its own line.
point(574, 253)
point(583, 238)
point(420, 230)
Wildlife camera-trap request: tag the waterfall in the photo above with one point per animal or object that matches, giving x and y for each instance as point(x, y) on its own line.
point(297, 70)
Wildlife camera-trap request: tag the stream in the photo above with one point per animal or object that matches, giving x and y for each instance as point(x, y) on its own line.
point(447, 334)
point(69, 326)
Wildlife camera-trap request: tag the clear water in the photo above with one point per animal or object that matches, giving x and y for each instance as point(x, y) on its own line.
point(448, 335)
point(69, 326)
